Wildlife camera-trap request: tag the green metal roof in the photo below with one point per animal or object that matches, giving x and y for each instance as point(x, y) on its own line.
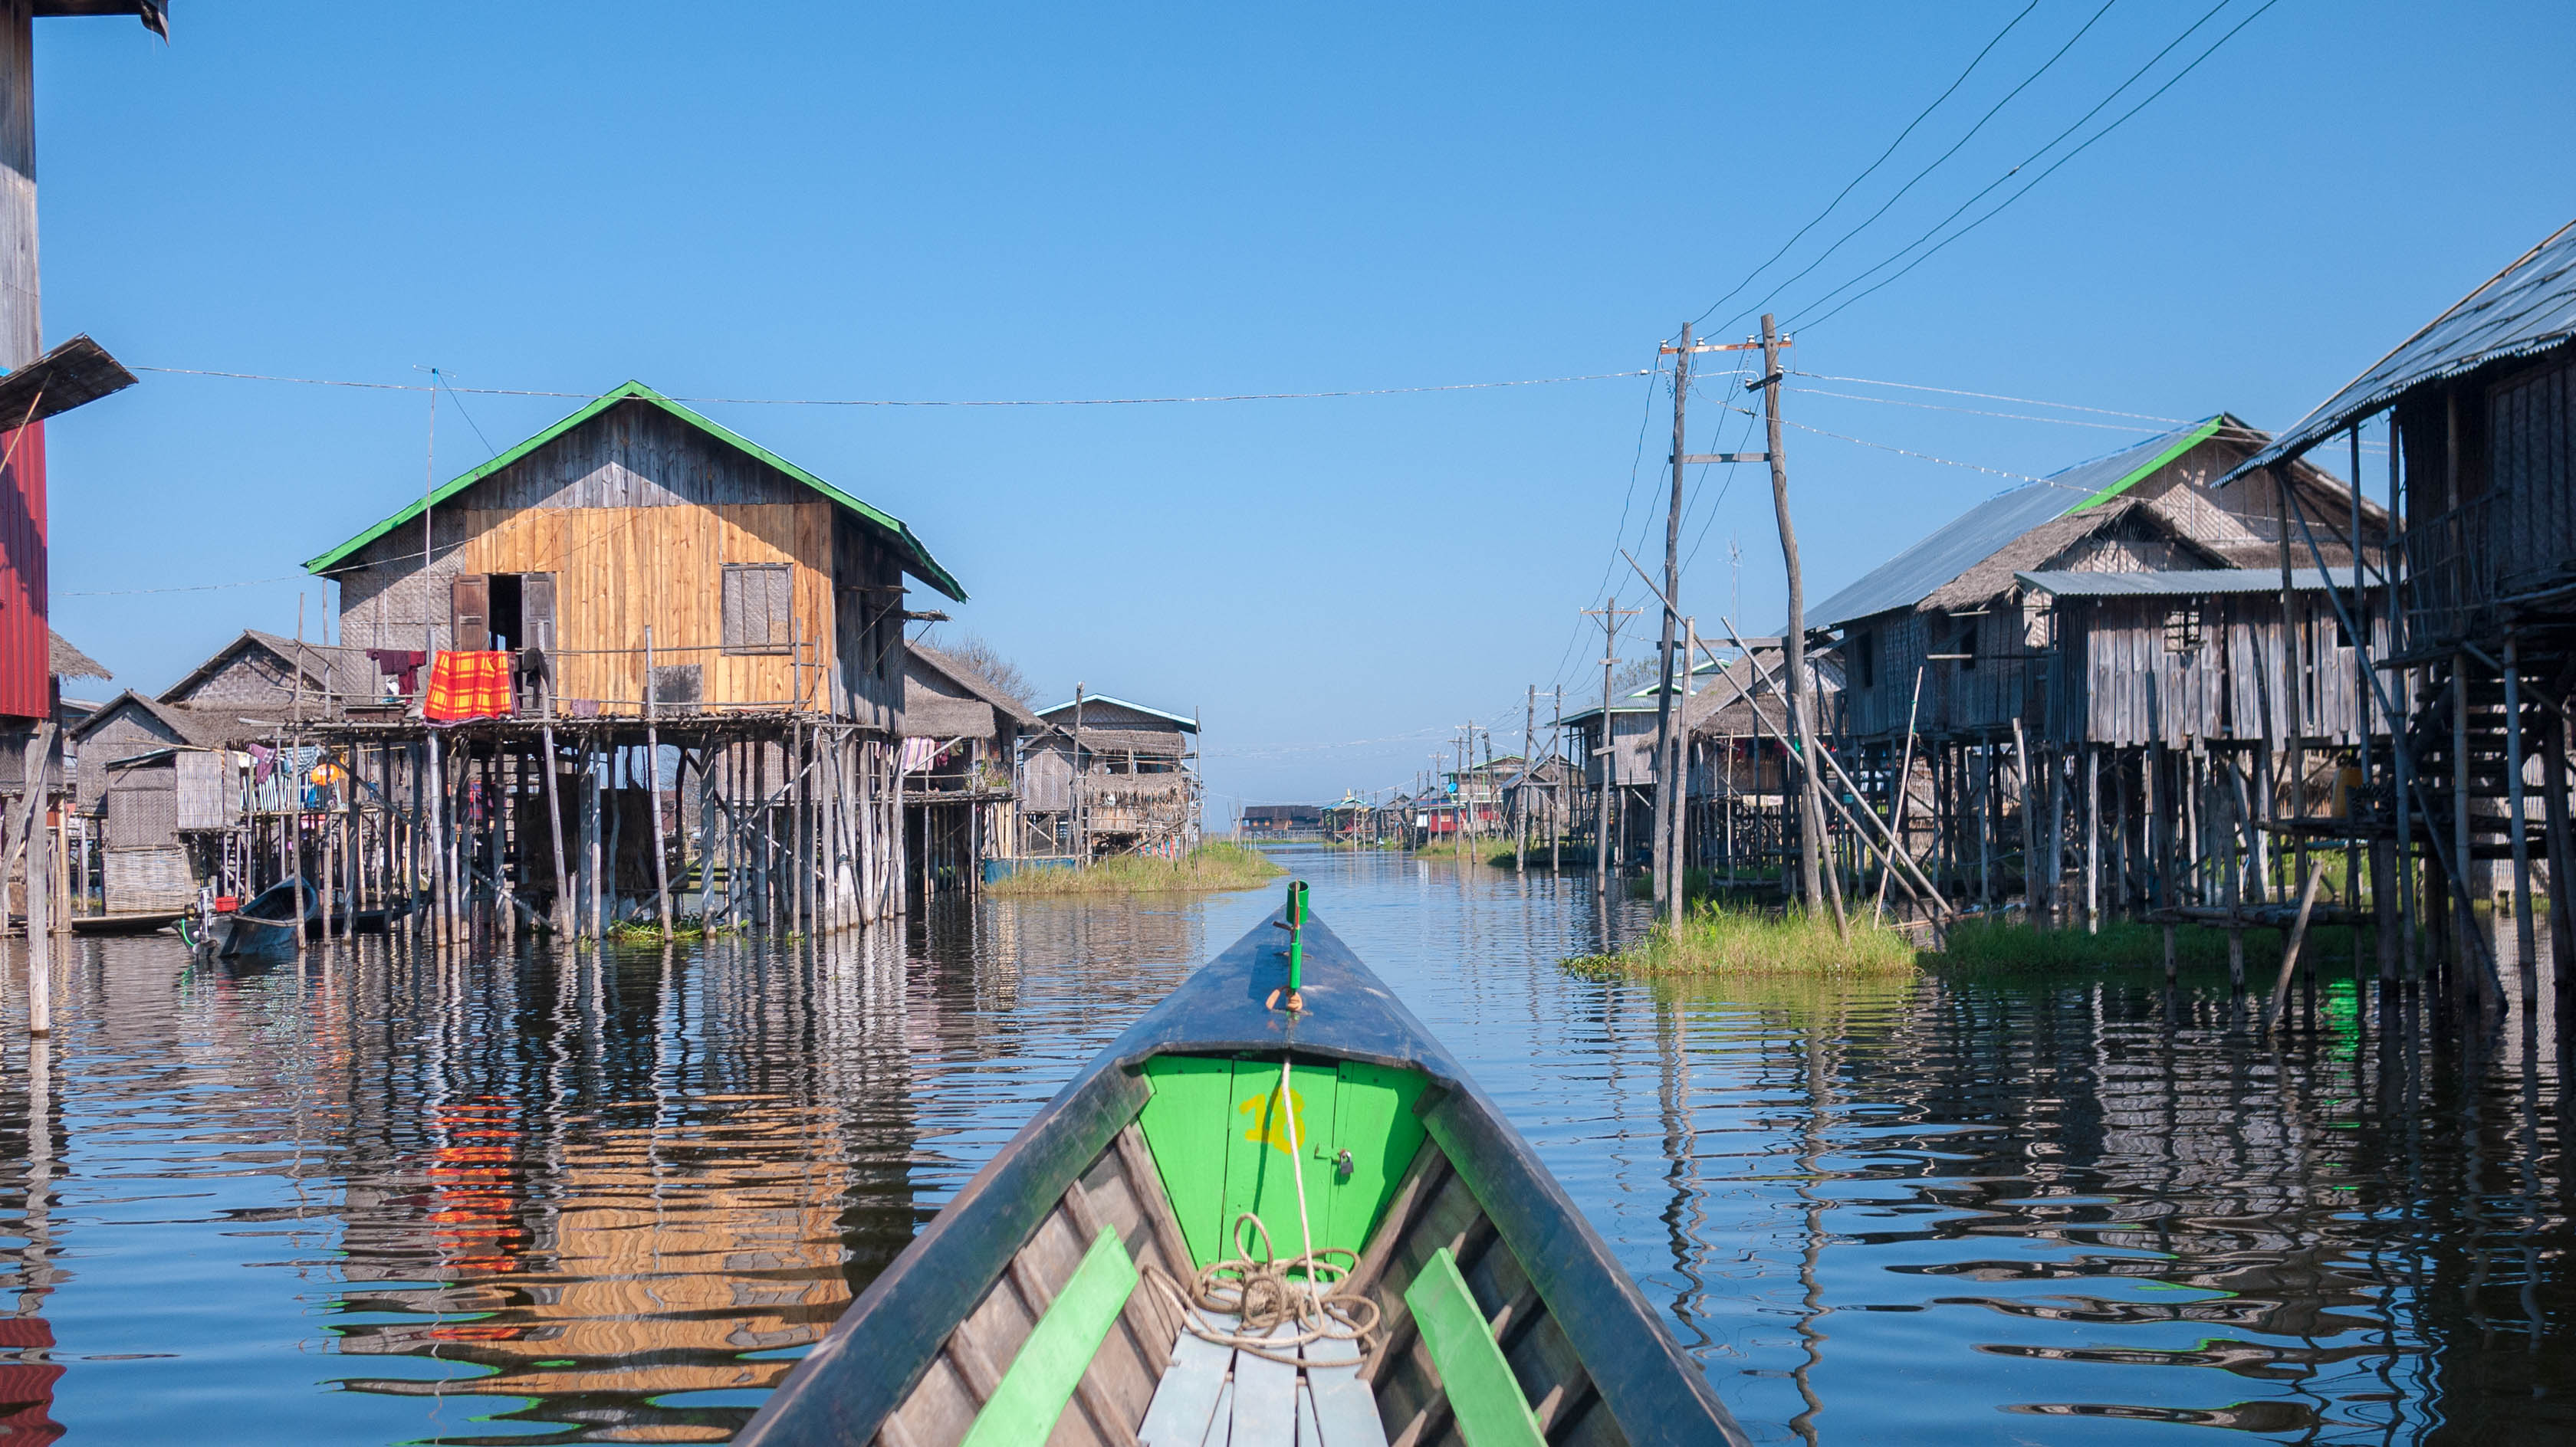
point(917, 559)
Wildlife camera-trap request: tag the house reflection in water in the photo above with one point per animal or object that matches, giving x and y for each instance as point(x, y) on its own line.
point(625, 1216)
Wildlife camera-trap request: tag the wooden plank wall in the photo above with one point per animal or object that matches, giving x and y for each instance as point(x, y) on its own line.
point(2532, 457)
point(2123, 685)
point(618, 570)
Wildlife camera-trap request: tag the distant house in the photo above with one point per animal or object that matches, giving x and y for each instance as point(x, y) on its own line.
point(1281, 821)
point(961, 735)
point(265, 671)
point(1107, 776)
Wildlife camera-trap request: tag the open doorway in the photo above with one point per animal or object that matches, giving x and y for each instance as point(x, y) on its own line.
point(508, 618)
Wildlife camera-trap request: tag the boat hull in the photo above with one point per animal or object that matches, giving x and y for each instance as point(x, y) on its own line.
point(917, 1355)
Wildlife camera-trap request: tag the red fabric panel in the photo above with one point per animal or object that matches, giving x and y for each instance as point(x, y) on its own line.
point(467, 685)
point(26, 669)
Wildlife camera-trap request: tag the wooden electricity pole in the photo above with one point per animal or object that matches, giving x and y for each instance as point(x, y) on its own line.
point(1793, 639)
point(1666, 887)
point(1609, 613)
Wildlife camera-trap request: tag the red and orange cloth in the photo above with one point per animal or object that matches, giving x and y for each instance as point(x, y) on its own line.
point(467, 685)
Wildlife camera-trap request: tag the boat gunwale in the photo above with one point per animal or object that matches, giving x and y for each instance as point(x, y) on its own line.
point(913, 1306)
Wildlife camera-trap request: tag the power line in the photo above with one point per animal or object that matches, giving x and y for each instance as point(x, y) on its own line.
point(1926, 456)
point(910, 401)
point(1937, 161)
point(1872, 167)
point(2086, 144)
point(191, 588)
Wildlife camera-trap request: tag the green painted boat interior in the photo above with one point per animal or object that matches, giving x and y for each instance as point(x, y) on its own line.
point(1220, 1132)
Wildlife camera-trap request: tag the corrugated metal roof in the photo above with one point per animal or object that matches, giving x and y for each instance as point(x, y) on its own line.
point(1188, 724)
point(1986, 529)
point(2180, 582)
point(2524, 309)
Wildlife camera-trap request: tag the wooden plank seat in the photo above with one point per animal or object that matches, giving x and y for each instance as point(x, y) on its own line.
point(1216, 1396)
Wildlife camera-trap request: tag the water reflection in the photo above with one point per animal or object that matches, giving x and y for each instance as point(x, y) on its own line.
point(383, 1197)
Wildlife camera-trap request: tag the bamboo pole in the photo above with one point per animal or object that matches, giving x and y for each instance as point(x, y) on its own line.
point(653, 787)
point(2290, 951)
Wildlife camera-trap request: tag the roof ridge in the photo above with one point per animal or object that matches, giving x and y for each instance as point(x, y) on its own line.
point(924, 566)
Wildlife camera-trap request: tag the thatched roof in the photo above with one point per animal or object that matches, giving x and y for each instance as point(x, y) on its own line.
point(964, 675)
point(65, 661)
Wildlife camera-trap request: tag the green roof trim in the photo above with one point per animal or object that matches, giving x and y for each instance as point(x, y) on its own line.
point(2207, 429)
point(917, 558)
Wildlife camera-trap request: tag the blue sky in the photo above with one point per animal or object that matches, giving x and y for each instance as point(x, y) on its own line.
point(829, 201)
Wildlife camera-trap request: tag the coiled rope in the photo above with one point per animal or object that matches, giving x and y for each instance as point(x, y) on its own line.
point(1264, 1291)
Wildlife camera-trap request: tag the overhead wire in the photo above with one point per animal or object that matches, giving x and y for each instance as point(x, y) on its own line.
point(909, 401)
point(1936, 164)
point(2026, 189)
point(1870, 169)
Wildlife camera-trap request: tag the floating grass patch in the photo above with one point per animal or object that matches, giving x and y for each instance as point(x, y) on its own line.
point(2017, 945)
point(683, 927)
point(1209, 867)
point(1716, 940)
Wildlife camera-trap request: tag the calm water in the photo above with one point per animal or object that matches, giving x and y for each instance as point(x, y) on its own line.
point(560, 1199)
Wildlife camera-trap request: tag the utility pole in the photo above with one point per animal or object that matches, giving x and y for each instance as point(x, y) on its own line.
point(1671, 789)
point(1793, 640)
point(1609, 613)
point(1520, 800)
point(1666, 888)
point(1556, 799)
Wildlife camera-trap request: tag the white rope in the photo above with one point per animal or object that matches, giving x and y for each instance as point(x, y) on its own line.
point(1262, 1292)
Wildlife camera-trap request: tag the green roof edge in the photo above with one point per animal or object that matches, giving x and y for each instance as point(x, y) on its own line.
point(2189, 440)
point(925, 566)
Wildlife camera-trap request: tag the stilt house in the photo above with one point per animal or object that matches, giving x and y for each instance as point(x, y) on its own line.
point(961, 740)
point(1110, 777)
point(2479, 658)
point(636, 539)
point(657, 583)
point(1951, 609)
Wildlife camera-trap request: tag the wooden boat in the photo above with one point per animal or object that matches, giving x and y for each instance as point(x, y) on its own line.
point(266, 927)
point(1059, 1299)
point(132, 922)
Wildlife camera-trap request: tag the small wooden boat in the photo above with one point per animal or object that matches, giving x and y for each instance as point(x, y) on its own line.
point(132, 922)
point(1103, 1280)
point(266, 927)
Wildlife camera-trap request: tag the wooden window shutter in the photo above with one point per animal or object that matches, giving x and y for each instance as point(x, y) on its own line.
point(537, 609)
point(469, 612)
point(782, 606)
point(755, 605)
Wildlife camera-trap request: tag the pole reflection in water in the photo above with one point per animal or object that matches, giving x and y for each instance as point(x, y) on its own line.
point(556, 1197)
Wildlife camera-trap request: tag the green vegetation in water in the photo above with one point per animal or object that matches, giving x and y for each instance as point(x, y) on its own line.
point(1716, 940)
point(683, 927)
point(2018, 945)
point(1208, 867)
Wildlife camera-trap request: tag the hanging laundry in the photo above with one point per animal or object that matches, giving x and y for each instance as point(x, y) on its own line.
point(402, 665)
point(917, 754)
point(467, 685)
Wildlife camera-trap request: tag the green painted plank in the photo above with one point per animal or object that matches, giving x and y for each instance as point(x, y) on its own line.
point(1483, 1394)
point(1186, 1125)
point(1258, 1175)
point(1373, 1119)
point(1059, 1350)
point(2189, 440)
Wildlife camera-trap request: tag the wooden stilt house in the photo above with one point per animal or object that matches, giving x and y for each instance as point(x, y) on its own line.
point(1110, 777)
point(2469, 800)
point(961, 739)
point(680, 661)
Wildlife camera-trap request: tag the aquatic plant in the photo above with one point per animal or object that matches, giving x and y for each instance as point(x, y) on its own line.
point(1717, 940)
point(1208, 867)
